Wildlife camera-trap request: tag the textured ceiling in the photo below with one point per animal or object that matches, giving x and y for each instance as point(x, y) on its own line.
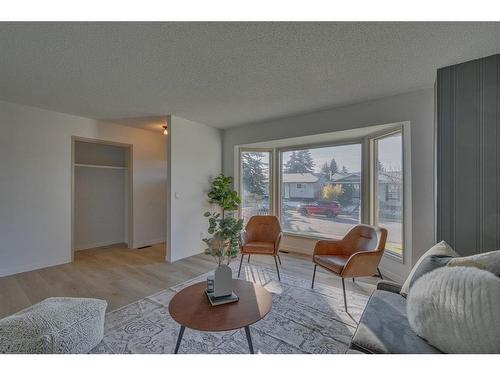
point(225, 74)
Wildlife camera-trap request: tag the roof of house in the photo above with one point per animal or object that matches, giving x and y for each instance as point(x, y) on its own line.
point(300, 177)
point(355, 177)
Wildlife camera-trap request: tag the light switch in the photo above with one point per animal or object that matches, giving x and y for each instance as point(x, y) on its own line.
point(176, 195)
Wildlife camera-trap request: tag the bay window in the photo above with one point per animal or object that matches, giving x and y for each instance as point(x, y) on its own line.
point(325, 190)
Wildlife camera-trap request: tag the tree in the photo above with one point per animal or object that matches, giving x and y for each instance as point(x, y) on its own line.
point(307, 161)
point(344, 169)
point(254, 176)
point(380, 166)
point(329, 169)
point(300, 162)
point(334, 168)
point(331, 192)
point(325, 171)
point(347, 196)
point(292, 163)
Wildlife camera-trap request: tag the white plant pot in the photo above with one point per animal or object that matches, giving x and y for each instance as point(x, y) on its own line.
point(223, 281)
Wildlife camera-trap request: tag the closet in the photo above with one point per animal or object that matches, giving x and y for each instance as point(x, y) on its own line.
point(101, 192)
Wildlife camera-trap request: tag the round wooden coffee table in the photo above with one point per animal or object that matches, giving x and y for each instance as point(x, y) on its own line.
point(191, 308)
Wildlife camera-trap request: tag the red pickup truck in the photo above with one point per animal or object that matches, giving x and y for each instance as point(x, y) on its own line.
point(329, 209)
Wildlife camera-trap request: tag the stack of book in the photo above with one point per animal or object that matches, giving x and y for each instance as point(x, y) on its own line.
point(215, 301)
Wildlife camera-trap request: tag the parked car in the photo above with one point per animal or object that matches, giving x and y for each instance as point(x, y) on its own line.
point(329, 209)
point(291, 205)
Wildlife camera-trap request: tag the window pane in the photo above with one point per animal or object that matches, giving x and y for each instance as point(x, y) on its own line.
point(255, 184)
point(389, 190)
point(320, 190)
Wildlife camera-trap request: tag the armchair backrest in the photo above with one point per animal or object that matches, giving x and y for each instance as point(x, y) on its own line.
point(364, 237)
point(263, 228)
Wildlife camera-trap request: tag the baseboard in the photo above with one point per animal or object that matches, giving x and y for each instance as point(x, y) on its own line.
point(296, 250)
point(183, 256)
point(97, 244)
point(31, 267)
point(149, 243)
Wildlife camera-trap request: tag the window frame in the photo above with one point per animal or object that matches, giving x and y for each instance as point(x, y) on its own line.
point(271, 151)
point(373, 206)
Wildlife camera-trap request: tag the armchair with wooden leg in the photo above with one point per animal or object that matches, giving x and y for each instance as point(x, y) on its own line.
point(358, 254)
point(262, 236)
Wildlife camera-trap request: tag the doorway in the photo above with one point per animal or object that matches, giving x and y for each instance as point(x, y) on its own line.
point(101, 194)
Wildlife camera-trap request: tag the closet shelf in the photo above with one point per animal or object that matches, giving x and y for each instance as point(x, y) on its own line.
point(98, 166)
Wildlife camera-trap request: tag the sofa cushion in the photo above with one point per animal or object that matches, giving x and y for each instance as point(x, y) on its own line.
point(456, 309)
point(54, 325)
point(384, 327)
point(429, 264)
point(489, 261)
point(441, 248)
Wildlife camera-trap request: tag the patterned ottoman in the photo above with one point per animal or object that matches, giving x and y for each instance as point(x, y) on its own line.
point(55, 325)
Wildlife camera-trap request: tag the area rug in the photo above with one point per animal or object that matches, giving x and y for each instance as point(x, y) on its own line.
point(302, 320)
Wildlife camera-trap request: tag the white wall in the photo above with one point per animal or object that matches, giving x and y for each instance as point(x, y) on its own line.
point(99, 211)
point(195, 152)
point(35, 184)
point(415, 107)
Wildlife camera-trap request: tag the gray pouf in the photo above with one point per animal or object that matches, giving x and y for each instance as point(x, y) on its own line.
point(54, 325)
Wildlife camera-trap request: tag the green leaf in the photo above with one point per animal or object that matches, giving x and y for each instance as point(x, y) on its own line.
point(223, 228)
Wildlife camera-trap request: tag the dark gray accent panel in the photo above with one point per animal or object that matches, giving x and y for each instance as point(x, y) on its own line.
point(468, 151)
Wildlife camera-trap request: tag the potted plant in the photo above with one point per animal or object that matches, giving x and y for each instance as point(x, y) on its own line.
point(224, 230)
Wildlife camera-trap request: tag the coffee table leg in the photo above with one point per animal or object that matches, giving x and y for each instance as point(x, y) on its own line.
point(179, 338)
point(249, 339)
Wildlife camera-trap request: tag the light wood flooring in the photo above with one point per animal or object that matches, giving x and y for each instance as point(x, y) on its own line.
point(121, 276)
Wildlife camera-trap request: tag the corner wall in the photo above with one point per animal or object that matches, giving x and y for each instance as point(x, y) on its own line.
point(195, 152)
point(35, 184)
point(416, 107)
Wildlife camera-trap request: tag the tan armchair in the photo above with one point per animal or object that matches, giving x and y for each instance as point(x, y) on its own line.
point(262, 236)
point(358, 254)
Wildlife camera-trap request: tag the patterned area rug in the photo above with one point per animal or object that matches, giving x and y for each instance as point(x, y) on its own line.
point(302, 320)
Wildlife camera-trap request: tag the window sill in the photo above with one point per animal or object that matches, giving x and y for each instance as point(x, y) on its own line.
point(394, 257)
point(387, 254)
point(309, 236)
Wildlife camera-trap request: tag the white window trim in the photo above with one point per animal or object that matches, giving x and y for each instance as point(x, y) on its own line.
point(373, 189)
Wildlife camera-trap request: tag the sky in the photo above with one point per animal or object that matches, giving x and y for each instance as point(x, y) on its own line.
point(390, 152)
point(390, 155)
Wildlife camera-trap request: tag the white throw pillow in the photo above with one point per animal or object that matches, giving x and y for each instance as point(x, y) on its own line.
point(456, 309)
point(441, 248)
point(487, 261)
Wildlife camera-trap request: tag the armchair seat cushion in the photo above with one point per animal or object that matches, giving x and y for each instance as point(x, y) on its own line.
point(258, 247)
point(334, 263)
